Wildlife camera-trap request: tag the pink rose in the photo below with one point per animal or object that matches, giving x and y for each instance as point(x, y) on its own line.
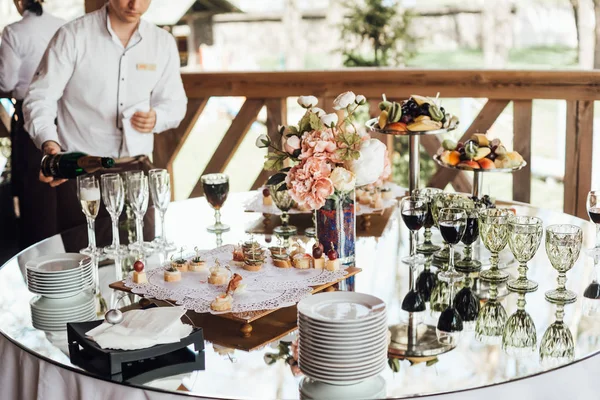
point(319, 143)
point(292, 144)
point(317, 167)
point(309, 184)
point(321, 189)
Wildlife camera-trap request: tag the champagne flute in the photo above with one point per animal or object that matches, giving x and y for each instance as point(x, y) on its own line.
point(525, 236)
point(137, 191)
point(563, 245)
point(493, 230)
point(427, 247)
point(284, 202)
point(414, 212)
point(113, 195)
point(216, 189)
point(160, 190)
point(88, 192)
point(519, 338)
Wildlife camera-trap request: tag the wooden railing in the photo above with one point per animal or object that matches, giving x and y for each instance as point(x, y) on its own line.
point(271, 89)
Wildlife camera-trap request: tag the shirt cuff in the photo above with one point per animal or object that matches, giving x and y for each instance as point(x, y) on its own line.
point(44, 136)
point(160, 125)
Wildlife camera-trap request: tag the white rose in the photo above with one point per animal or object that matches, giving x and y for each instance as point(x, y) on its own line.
point(329, 120)
point(360, 99)
point(343, 180)
point(263, 141)
point(319, 111)
point(343, 100)
point(369, 166)
point(307, 101)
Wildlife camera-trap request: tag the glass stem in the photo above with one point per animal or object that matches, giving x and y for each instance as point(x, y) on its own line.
point(163, 232)
point(217, 216)
point(560, 313)
point(523, 272)
point(451, 258)
point(427, 235)
point(139, 230)
point(521, 301)
point(413, 245)
point(91, 233)
point(285, 218)
point(494, 261)
point(598, 236)
point(493, 292)
point(116, 242)
point(468, 252)
point(562, 281)
point(451, 289)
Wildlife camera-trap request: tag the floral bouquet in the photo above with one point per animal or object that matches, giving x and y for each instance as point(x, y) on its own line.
point(328, 159)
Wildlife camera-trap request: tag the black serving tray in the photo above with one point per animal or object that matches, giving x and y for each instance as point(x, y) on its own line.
point(137, 366)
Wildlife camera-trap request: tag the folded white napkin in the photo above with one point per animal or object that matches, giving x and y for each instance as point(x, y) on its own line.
point(136, 143)
point(141, 329)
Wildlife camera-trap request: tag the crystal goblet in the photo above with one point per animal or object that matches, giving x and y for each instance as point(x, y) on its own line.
point(284, 202)
point(493, 230)
point(525, 236)
point(519, 338)
point(491, 319)
point(563, 245)
point(557, 346)
point(216, 189)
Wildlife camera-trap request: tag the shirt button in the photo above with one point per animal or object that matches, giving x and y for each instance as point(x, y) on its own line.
point(121, 104)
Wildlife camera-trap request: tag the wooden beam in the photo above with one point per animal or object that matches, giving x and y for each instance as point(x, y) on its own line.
point(522, 113)
point(231, 141)
point(399, 83)
point(276, 116)
point(484, 121)
point(93, 5)
point(578, 156)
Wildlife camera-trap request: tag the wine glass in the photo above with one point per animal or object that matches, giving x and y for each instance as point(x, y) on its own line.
point(591, 294)
point(493, 230)
point(113, 195)
point(563, 245)
point(557, 346)
point(88, 192)
point(445, 200)
point(467, 303)
point(426, 281)
point(216, 189)
point(452, 223)
point(284, 202)
point(593, 209)
point(468, 264)
point(491, 320)
point(519, 338)
point(525, 236)
point(414, 212)
point(427, 247)
point(160, 190)
point(137, 192)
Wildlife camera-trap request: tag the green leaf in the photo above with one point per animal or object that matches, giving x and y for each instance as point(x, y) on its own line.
point(293, 130)
point(276, 179)
point(282, 188)
point(394, 364)
point(315, 122)
point(432, 362)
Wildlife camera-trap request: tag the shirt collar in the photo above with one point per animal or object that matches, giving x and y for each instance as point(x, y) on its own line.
point(135, 38)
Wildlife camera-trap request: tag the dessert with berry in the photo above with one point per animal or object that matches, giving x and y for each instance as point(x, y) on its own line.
point(197, 264)
point(267, 199)
point(218, 275)
point(333, 262)
point(180, 263)
point(317, 253)
point(139, 275)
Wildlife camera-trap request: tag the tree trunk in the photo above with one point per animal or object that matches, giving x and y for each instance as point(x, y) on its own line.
point(597, 34)
point(575, 5)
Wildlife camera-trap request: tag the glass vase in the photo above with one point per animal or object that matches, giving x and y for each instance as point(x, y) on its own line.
point(336, 226)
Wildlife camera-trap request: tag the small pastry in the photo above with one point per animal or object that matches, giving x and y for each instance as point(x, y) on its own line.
point(319, 263)
point(222, 302)
point(302, 261)
point(139, 275)
point(254, 256)
point(297, 248)
point(252, 266)
point(181, 264)
point(196, 264)
point(267, 199)
point(238, 253)
point(386, 193)
point(172, 275)
point(333, 262)
point(317, 253)
point(218, 275)
point(282, 263)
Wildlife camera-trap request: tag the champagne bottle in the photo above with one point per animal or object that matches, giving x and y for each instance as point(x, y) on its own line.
point(71, 165)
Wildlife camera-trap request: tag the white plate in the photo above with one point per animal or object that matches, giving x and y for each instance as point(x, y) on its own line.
point(340, 377)
point(63, 320)
point(372, 388)
point(61, 314)
point(343, 333)
point(60, 327)
point(366, 364)
point(326, 339)
point(58, 263)
point(64, 304)
point(346, 345)
point(303, 320)
point(61, 294)
point(59, 278)
point(64, 286)
point(342, 307)
point(58, 285)
point(341, 357)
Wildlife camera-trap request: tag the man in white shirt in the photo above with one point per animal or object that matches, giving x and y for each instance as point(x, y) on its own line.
point(23, 45)
point(97, 71)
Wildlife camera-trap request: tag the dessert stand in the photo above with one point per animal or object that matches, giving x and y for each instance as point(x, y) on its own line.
point(412, 339)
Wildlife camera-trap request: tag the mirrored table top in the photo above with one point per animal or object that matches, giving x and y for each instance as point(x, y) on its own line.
point(471, 364)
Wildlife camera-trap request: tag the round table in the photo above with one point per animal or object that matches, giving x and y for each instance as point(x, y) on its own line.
point(36, 363)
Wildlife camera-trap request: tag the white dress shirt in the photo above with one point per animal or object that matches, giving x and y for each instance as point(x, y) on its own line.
point(87, 80)
point(22, 47)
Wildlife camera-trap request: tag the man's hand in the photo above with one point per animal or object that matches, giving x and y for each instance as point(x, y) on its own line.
point(51, 147)
point(144, 122)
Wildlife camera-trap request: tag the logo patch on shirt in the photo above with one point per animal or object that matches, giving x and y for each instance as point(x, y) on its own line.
point(145, 67)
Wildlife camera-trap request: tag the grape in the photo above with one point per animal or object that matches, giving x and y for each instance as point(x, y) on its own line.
point(138, 266)
point(493, 148)
point(492, 156)
point(407, 119)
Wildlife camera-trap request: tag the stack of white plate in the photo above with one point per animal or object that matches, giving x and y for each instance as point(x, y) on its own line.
point(343, 337)
point(53, 314)
point(63, 281)
point(60, 276)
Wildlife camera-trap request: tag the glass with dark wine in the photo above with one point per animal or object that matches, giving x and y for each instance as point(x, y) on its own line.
point(216, 189)
point(591, 295)
point(452, 223)
point(413, 211)
point(427, 247)
point(468, 264)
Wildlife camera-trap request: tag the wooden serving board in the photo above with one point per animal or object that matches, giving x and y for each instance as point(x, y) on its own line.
point(250, 330)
